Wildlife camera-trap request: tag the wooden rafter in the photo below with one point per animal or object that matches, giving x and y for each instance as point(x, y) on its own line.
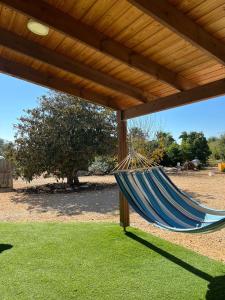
point(178, 22)
point(64, 23)
point(29, 74)
point(50, 57)
point(210, 90)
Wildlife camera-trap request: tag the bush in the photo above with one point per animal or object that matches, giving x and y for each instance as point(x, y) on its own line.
point(102, 165)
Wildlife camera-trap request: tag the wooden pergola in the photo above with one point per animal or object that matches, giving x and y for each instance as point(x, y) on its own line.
point(134, 56)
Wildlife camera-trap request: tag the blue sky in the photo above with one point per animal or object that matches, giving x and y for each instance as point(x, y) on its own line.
point(15, 96)
point(207, 116)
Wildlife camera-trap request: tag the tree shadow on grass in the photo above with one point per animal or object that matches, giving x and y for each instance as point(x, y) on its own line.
point(100, 201)
point(4, 247)
point(216, 286)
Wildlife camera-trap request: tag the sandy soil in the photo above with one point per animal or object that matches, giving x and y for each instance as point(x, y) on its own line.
point(102, 205)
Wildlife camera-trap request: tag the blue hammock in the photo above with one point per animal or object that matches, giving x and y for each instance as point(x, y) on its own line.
point(154, 196)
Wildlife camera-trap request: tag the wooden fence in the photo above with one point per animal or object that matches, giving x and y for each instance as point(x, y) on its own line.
point(6, 176)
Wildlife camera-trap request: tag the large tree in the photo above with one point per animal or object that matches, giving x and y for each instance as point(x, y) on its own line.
point(194, 145)
point(170, 149)
point(165, 138)
point(61, 136)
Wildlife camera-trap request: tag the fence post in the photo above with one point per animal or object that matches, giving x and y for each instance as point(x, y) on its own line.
point(6, 176)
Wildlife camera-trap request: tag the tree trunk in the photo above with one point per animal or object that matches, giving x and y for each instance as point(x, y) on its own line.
point(76, 179)
point(73, 180)
point(69, 180)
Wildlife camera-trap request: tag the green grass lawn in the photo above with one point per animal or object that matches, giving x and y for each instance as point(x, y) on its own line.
point(98, 261)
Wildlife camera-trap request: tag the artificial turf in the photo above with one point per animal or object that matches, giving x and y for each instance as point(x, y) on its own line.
point(98, 261)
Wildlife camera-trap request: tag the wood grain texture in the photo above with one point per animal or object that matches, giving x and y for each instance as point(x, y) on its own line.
point(120, 41)
point(67, 25)
point(169, 16)
point(210, 90)
point(122, 153)
point(35, 50)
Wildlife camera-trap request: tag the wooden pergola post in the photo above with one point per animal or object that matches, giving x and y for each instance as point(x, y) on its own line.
point(122, 153)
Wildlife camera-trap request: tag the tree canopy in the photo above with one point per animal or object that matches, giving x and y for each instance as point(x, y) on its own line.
point(61, 136)
point(165, 150)
point(194, 145)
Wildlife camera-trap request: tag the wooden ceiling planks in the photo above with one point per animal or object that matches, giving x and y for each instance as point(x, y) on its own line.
point(183, 26)
point(204, 8)
point(186, 6)
point(135, 30)
point(21, 45)
point(158, 47)
point(98, 41)
point(79, 83)
point(161, 46)
point(97, 10)
point(73, 85)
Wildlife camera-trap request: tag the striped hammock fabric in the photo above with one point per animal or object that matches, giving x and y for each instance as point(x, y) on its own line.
point(155, 197)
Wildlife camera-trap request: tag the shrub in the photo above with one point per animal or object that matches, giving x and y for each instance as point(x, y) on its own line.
point(102, 165)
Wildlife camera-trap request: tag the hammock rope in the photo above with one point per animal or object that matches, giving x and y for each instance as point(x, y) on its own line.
point(134, 161)
point(152, 194)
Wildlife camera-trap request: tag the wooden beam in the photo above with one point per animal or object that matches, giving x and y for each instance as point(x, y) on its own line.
point(29, 74)
point(67, 25)
point(169, 16)
point(50, 57)
point(207, 91)
point(122, 153)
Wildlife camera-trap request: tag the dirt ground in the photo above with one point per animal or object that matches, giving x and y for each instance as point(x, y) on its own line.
point(102, 205)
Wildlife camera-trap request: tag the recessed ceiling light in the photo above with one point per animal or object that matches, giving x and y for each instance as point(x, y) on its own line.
point(37, 28)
